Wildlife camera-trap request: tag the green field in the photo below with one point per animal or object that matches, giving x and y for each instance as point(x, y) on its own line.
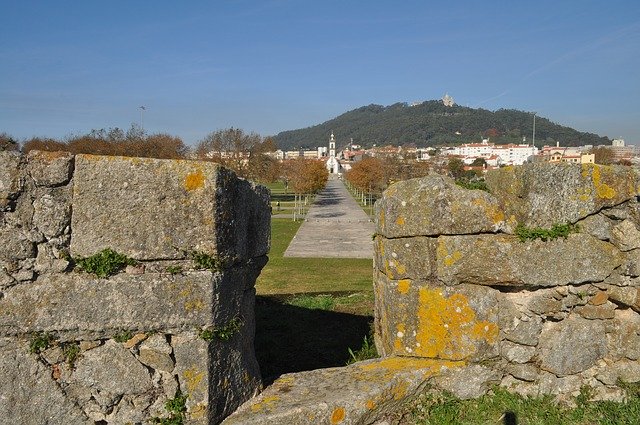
point(300, 275)
point(310, 311)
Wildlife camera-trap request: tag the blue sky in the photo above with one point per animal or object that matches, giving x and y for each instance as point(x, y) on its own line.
point(67, 67)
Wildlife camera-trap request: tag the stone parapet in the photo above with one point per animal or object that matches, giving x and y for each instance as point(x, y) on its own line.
point(76, 348)
point(457, 279)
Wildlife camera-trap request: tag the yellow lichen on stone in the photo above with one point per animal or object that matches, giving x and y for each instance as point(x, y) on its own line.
point(198, 411)
point(194, 180)
point(370, 404)
point(400, 221)
point(448, 258)
point(404, 285)
point(267, 402)
point(596, 172)
point(399, 390)
point(193, 378)
point(493, 212)
point(447, 327)
point(338, 415)
point(390, 366)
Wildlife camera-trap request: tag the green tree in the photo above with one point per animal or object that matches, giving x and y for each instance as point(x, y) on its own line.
point(455, 168)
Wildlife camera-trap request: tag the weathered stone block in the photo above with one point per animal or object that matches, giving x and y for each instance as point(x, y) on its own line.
point(577, 259)
point(79, 305)
point(433, 206)
point(163, 209)
point(49, 168)
point(362, 393)
point(532, 193)
point(24, 381)
point(406, 258)
point(430, 321)
point(572, 345)
point(10, 181)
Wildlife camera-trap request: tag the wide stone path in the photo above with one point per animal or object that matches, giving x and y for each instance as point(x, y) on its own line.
point(335, 226)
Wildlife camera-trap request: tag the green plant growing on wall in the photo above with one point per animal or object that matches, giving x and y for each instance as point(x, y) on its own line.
point(123, 336)
point(202, 260)
point(557, 230)
point(222, 333)
point(71, 351)
point(177, 407)
point(105, 263)
point(174, 269)
point(40, 341)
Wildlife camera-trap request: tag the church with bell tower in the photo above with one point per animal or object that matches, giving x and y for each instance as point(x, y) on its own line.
point(332, 163)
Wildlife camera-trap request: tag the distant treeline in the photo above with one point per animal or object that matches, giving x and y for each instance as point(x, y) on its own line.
point(432, 123)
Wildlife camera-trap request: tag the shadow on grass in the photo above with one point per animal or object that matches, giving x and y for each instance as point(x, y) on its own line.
point(294, 339)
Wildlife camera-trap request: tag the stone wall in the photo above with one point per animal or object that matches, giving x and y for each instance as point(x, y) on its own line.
point(75, 348)
point(454, 282)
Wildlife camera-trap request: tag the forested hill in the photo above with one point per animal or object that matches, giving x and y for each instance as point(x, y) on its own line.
point(432, 123)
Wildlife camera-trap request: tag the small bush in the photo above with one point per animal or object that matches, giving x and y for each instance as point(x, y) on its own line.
point(223, 333)
point(473, 184)
point(556, 231)
point(105, 263)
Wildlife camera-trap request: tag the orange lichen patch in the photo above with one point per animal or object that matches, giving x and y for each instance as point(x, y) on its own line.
point(404, 285)
point(193, 378)
point(448, 258)
point(492, 211)
point(370, 404)
point(400, 221)
point(338, 415)
point(448, 328)
point(268, 402)
point(399, 390)
point(391, 366)
point(50, 156)
point(194, 180)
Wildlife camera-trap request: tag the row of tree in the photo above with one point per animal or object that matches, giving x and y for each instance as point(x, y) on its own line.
point(245, 153)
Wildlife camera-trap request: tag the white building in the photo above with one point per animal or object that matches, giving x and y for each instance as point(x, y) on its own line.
point(332, 163)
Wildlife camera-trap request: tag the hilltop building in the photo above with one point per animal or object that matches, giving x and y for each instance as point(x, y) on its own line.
point(448, 100)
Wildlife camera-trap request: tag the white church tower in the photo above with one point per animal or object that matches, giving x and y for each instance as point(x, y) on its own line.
point(332, 163)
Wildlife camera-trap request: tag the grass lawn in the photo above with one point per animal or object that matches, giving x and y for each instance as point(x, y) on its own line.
point(502, 407)
point(298, 275)
point(310, 311)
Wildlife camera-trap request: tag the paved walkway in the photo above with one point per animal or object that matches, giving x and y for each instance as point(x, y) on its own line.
point(335, 226)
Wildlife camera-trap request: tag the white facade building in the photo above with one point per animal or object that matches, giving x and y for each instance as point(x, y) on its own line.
point(332, 163)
